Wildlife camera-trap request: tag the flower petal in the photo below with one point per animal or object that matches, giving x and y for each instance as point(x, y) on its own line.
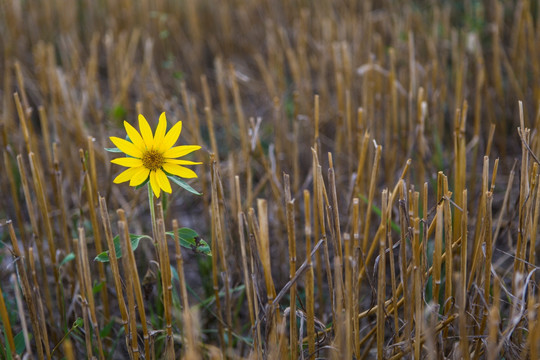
point(127, 161)
point(181, 150)
point(126, 175)
point(139, 177)
point(146, 132)
point(134, 136)
point(172, 137)
point(182, 162)
point(160, 131)
point(154, 183)
point(179, 171)
point(163, 181)
point(127, 147)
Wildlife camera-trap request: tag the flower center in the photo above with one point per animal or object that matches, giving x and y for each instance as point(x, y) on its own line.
point(153, 160)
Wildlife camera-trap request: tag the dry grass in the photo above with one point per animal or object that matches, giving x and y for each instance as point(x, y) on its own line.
point(371, 185)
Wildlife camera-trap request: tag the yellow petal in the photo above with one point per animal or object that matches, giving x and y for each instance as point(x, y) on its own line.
point(125, 175)
point(172, 137)
point(140, 176)
point(127, 147)
point(146, 132)
point(179, 171)
point(154, 183)
point(181, 150)
point(134, 136)
point(182, 162)
point(163, 181)
point(160, 131)
point(127, 161)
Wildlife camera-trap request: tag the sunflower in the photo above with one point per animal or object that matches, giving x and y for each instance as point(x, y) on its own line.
point(153, 158)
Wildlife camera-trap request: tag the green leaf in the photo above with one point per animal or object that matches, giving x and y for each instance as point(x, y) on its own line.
point(113, 150)
point(67, 259)
point(191, 240)
point(5, 352)
point(178, 181)
point(98, 287)
point(221, 294)
point(77, 323)
point(164, 34)
point(104, 256)
point(174, 273)
point(378, 211)
point(119, 112)
point(178, 75)
point(20, 345)
point(165, 202)
point(106, 330)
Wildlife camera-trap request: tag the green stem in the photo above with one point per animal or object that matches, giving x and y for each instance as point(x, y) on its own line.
point(75, 326)
point(152, 210)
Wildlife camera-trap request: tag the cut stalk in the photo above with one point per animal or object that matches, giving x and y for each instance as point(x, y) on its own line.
point(381, 278)
point(133, 273)
point(293, 336)
point(310, 303)
point(114, 262)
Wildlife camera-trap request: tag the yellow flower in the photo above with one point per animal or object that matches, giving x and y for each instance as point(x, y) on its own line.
point(153, 156)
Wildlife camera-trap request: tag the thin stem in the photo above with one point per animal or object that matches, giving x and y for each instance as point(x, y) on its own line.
point(152, 210)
